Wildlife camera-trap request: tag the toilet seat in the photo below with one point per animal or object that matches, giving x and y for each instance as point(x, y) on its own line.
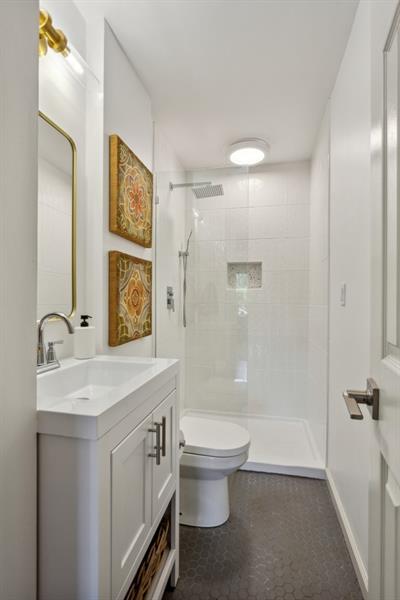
point(218, 439)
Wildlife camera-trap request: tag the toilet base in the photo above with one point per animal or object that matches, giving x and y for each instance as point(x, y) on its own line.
point(204, 502)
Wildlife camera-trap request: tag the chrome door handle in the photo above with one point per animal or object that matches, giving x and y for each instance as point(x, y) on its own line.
point(370, 397)
point(164, 436)
point(157, 447)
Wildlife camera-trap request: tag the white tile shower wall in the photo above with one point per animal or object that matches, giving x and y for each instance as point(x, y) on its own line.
point(318, 289)
point(246, 350)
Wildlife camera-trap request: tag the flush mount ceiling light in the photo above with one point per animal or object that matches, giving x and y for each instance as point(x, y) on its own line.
point(248, 152)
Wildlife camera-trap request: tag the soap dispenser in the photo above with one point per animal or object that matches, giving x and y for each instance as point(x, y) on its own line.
point(85, 339)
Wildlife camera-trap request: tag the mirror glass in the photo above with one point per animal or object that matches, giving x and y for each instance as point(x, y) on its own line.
point(56, 219)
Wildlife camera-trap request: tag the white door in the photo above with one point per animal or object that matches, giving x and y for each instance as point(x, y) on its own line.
point(130, 502)
point(164, 469)
point(384, 501)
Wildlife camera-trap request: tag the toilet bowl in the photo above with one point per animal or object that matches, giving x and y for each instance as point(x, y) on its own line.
point(213, 450)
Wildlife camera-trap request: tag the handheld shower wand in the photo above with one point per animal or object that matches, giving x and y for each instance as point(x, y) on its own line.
point(184, 254)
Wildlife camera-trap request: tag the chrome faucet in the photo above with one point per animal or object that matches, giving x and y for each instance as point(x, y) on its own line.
point(47, 361)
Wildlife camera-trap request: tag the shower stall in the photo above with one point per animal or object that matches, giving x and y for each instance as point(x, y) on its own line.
point(246, 308)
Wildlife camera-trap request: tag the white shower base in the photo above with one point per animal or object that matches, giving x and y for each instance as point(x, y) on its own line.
point(278, 445)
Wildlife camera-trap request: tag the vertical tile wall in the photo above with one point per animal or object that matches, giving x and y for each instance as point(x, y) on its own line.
point(246, 350)
point(318, 293)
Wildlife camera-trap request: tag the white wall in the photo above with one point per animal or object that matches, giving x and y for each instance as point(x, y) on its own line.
point(316, 409)
point(67, 16)
point(116, 103)
point(170, 237)
point(348, 441)
point(68, 100)
point(123, 106)
point(247, 349)
point(18, 193)
point(127, 112)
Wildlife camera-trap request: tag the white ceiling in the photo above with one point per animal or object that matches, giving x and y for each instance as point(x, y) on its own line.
point(221, 70)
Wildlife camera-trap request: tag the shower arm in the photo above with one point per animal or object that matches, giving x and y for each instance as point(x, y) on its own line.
point(173, 186)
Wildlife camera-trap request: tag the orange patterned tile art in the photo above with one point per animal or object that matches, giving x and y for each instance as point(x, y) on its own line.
point(129, 298)
point(131, 194)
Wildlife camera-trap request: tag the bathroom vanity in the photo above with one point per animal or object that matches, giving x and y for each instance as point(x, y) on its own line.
point(108, 472)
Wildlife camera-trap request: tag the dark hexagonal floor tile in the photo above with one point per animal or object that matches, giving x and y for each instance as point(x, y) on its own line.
point(282, 542)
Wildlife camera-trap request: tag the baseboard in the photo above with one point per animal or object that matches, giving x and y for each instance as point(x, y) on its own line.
point(358, 563)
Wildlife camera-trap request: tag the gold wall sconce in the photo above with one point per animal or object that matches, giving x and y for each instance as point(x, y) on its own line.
point(50, 37)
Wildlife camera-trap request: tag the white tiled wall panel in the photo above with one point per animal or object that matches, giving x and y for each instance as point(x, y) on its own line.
point(318, 290)
point(247, 350)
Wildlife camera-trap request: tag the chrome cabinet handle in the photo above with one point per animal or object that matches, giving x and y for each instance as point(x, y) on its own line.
point(370, 397)
point(164, 436)
point(157, 447)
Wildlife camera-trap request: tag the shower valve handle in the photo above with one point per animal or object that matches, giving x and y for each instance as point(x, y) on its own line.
point(170, 298)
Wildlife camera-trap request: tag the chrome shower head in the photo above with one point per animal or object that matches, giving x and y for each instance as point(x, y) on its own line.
point(208, 191)
point(201, 189)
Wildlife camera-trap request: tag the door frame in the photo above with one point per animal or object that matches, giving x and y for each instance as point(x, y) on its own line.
point(385, 21)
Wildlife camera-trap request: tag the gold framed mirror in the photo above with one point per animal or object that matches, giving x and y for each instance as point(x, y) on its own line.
point(57, 206)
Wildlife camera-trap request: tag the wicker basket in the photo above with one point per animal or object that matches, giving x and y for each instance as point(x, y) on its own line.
point(151, 563)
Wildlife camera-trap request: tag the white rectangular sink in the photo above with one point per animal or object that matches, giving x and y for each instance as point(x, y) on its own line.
point(89, 379)
point(85, 398)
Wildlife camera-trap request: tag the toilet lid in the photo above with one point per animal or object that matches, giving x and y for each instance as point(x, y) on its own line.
point(214, 438)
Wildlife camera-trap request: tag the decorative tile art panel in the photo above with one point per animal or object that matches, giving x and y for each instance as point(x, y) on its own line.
point(245, 275)
point(129, 298)
point(131, 194)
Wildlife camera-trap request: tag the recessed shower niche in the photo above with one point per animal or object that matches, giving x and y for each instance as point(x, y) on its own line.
point(244, 275)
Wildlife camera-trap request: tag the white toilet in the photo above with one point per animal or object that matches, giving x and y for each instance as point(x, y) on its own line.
point(213, 450)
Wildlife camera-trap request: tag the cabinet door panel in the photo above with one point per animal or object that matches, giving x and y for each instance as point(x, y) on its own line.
point(164, 474)
point(130, 501)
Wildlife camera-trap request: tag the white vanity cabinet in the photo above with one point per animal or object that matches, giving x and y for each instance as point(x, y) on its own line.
point(140, 488)
point(164, 477)
point(131, 501)
point(101, 500)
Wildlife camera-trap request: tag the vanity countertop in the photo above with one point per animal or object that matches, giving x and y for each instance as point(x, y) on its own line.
point(86, 398)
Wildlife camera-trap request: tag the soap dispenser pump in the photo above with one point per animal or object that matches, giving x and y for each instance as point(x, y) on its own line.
point(85, 339)
point(84, 320)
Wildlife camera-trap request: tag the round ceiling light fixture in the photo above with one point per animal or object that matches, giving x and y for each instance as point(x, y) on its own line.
point(248, 152)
